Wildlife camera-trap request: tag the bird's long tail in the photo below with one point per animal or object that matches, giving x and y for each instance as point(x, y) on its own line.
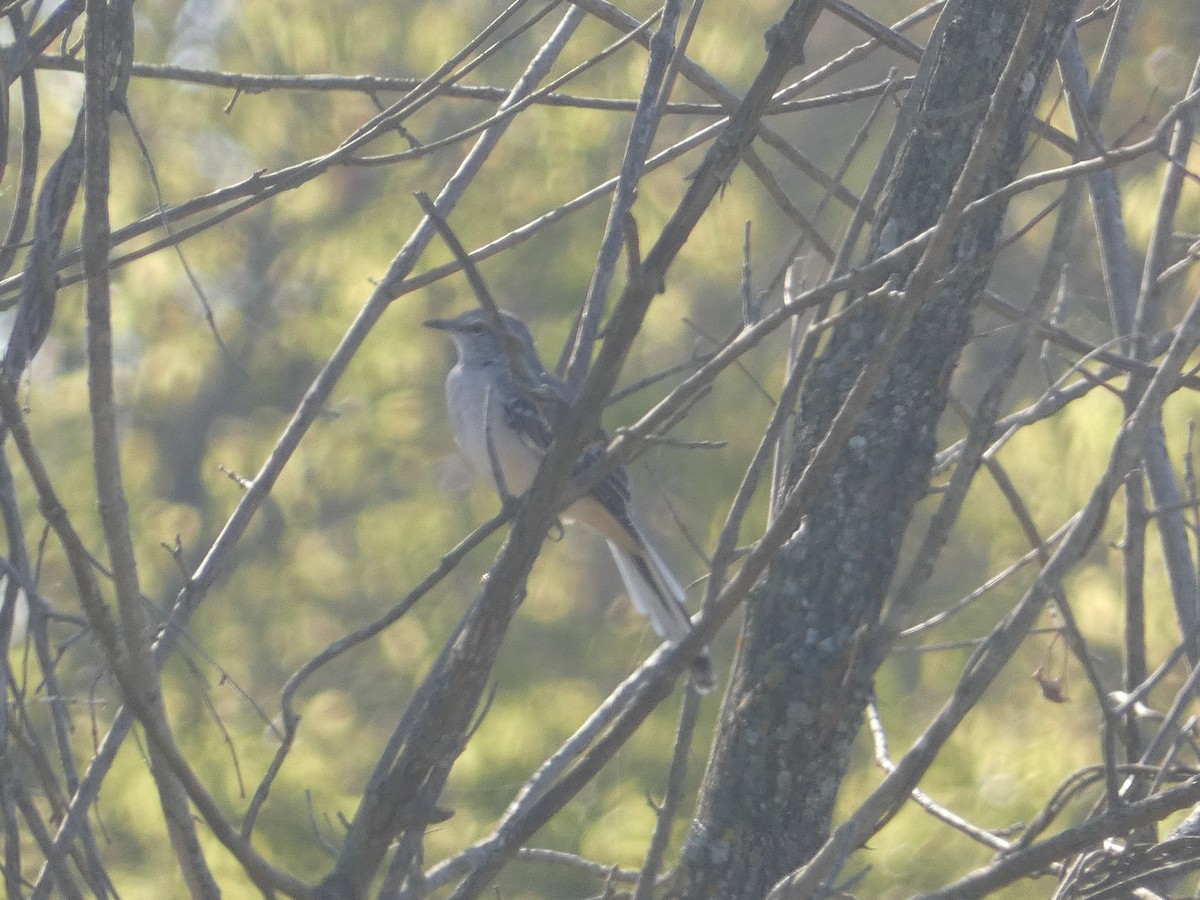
point(657, 595)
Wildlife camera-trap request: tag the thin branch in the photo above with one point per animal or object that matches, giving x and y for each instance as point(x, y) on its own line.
point(655, 89)
point(672, 799)
point(291, 718)
point(884, 760)
point(1022, 863)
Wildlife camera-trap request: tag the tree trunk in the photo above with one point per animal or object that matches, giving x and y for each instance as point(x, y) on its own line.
point(800, 683)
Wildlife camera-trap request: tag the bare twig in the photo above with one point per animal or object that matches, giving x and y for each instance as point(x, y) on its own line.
point(672, 799)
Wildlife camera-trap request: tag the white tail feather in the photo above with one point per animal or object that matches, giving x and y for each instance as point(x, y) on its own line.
point(658, 596)
point(652, 598)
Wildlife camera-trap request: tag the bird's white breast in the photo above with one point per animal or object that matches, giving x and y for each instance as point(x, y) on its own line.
point(477, 417)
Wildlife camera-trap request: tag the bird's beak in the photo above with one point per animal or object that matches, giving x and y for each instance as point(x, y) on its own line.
point(439, 324)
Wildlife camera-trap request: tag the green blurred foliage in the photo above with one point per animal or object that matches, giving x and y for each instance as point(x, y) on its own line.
point(375, 496)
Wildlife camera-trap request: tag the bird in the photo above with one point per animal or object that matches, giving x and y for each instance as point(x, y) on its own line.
point(504, 408)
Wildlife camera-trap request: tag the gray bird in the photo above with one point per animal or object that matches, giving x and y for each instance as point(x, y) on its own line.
point(504, 406)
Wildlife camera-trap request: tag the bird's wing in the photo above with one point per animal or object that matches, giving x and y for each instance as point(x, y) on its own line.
point(525, 418)
point(537, 421)
point(612, 491)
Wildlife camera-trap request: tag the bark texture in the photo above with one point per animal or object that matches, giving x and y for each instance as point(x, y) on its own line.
point(800, 683)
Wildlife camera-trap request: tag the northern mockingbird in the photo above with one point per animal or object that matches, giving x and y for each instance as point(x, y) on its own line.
point(504, 407)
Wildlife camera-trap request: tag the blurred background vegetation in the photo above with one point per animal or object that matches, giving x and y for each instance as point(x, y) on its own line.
point(376, 493)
